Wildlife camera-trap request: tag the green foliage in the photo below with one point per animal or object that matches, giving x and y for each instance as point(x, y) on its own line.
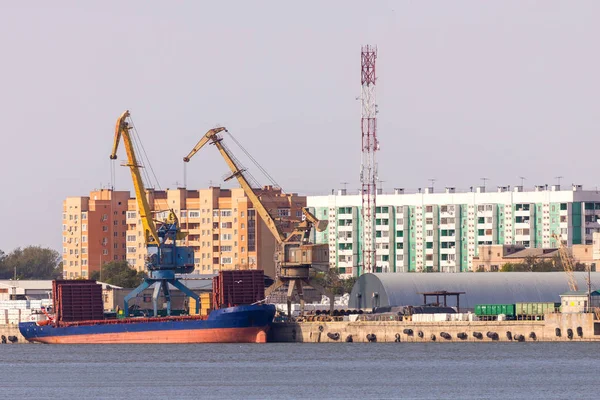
point(32, 262)
point(534, 264)
point(119, 273)
point(331, 280)
point(508, 267)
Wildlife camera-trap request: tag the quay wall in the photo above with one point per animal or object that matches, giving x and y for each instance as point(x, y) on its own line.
point(393, 331)
point(12, 330)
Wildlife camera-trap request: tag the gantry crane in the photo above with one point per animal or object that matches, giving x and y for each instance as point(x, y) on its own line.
point(567, 263)
point(294, 255)
point(164, 257)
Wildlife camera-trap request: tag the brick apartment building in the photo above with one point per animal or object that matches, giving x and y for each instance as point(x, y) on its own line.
point(222, 226)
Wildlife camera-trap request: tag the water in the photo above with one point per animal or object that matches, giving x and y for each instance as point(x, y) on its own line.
point(307, 371)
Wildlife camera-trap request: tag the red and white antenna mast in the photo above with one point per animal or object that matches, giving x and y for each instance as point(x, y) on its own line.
point(370, 144)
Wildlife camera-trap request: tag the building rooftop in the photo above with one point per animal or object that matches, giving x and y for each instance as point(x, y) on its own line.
point(533, 252)
point(581, 293)
point(27, 284)
point(39, 284)
point(475, 195)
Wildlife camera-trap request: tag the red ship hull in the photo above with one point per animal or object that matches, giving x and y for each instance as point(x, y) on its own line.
point(223, 335)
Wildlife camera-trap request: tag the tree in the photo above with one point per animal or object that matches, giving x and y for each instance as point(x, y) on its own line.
point(119, 273)
point(530, 262)
point(32, 262)
point(331, 280)
point(508, 267)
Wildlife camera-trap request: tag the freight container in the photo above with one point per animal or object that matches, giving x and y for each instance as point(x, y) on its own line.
point(495, 309)
point(77, 300)
point(233, 288)
point(535, 309)
point(205, 304)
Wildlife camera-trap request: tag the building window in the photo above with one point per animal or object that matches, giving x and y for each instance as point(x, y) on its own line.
point(225, 260)
point(283, 212)
point(194, 214)
point(226, 236)
point(225, 213)
point(105, 228)
point(226, 248)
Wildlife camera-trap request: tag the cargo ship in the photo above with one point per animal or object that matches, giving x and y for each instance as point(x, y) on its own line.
point(240, 324)
point(236, 315)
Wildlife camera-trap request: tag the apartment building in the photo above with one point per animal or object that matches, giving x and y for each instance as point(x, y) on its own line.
point(429, 231)
point(493, 257)
point(222, 227)
point(93, 230)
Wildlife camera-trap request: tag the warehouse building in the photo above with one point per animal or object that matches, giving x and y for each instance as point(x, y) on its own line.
point(11, 289)
point(442, 232)
point(390, 289)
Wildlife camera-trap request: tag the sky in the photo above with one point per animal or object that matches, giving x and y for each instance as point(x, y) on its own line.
point(465, 90)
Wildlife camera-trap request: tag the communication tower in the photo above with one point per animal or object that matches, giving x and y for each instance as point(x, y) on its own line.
point(369, 145)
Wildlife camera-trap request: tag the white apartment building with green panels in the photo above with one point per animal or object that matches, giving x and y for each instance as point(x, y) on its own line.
point(421, 232)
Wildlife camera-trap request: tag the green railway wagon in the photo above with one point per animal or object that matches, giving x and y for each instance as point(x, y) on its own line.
point(535, 309)
point(495, 309)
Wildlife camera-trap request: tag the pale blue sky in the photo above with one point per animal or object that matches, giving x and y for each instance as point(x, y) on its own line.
point(466, 89)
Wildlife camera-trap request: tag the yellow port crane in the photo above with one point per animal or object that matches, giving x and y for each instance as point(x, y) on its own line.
point(294, 255)
point(165, 258)
point(567, 263)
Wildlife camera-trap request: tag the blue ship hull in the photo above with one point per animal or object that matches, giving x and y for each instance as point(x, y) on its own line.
point(241, 324)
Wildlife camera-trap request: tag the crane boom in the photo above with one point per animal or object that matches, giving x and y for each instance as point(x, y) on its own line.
point(122, 131)
point(164, 257)
point(294, 256)
point(566, 262)
point(212, 137)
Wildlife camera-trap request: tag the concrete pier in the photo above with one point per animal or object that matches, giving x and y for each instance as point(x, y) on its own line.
point(470, 331)
point(12, 330)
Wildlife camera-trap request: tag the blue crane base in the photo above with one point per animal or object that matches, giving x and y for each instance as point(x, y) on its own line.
point(161, 284)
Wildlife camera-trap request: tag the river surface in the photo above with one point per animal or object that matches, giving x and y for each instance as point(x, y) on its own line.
point(302, 371)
